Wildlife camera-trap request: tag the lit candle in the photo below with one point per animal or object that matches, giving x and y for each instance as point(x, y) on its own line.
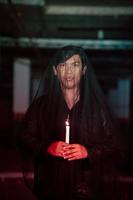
point(67, 139)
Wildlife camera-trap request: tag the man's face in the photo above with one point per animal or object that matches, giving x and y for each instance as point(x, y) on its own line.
point(70, 72)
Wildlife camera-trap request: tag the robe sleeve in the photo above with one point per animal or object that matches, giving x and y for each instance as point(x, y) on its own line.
point(30, 137)
point(110, 147)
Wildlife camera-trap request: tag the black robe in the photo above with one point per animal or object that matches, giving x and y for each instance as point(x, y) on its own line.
point(55, 177)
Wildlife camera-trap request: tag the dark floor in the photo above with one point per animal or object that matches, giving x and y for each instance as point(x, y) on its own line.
point(12, 186)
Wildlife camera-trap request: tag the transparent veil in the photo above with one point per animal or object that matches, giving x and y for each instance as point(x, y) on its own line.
point(95, 127)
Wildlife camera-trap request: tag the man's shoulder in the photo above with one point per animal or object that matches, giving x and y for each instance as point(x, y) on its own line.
point(39, 101)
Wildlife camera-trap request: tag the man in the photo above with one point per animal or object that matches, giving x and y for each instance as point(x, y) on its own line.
point(74, 170)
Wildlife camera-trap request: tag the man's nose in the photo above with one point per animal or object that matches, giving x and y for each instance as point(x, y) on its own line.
point(69, 69)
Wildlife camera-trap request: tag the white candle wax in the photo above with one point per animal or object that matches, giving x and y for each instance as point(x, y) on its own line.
point(67, 132)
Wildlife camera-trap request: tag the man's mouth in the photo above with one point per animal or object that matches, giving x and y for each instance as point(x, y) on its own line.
point(69, 79)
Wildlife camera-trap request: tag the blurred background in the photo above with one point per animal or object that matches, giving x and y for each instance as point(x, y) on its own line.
point(30, 33)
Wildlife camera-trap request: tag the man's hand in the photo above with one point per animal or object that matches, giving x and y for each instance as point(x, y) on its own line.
point(56, 148)
point(67, 151)
point(74, 151)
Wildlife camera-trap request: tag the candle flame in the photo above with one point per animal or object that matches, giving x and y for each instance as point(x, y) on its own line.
point(67, 123)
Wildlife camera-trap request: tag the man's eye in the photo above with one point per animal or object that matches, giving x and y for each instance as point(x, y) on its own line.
point(62, 65)
point(76, 64)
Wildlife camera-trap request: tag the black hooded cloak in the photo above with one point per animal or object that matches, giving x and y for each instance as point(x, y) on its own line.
point(91, 125)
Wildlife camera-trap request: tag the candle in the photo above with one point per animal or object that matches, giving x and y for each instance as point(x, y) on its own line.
point(67, 139)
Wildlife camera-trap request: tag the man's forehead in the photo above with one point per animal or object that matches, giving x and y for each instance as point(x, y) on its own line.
point(74, 58)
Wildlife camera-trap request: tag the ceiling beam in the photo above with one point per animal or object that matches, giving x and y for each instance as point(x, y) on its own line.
point(25, 2)
point(88, 10)
point(59, 42)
